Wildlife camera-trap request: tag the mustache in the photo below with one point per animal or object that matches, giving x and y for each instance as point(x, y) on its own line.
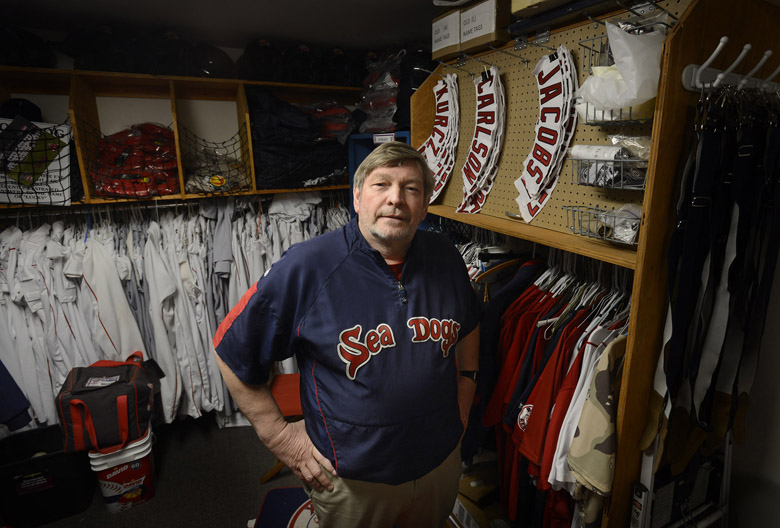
point(392, 212)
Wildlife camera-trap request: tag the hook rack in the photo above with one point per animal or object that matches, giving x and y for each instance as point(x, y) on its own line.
point(463, 57)
point(696, 78)
point(455, 67)
point(523, 59)
point(601, 22)
point(427, 71)
point(722, 75)
point(767, 81)
point(764, 58)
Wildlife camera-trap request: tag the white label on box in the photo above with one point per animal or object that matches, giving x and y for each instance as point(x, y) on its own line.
point(445, 31)
point(463, 516)
point(383, 138)
point(478, 21)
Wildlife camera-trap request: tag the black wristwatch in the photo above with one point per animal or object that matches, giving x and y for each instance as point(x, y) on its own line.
point(470, 374)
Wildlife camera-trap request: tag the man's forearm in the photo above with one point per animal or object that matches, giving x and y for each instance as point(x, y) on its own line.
point(255, 402)
point(288, 441)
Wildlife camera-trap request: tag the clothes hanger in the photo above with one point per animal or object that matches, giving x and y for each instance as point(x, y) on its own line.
point(498, 267)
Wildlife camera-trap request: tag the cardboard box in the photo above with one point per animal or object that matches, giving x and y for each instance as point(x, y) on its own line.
point(529, 8)
point(445, 36)
point(480, 484)
point(468, 514)
point(39, 482)
point(483, 24)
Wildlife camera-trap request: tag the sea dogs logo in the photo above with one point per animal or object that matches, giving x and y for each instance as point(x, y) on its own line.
point(445, 331)
point(356, 353)
point(304, 517)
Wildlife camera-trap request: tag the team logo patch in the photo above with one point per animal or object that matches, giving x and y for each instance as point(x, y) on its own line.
point(522, 418)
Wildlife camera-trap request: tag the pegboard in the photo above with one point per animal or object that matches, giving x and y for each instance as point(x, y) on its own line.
point(522, 109)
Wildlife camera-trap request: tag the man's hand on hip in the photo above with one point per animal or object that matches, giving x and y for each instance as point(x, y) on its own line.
point(294, 447)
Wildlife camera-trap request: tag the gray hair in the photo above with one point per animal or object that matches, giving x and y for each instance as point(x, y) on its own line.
point(394, 154)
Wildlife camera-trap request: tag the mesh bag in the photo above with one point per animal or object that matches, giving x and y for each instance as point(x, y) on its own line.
point(137, 162)
point(214, 167)
point(35, 163)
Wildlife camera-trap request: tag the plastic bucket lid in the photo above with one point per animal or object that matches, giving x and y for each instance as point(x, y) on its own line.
point(101, 465)
point(133, 451)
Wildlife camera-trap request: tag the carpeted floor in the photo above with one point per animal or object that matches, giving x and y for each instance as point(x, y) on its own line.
point(206, 477)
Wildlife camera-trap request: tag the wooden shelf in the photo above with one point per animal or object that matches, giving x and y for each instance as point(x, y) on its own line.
point(587, 247)
point(102, 200)
point(303, 189)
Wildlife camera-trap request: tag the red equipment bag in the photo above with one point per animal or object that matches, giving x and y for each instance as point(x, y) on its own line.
point(107, 405)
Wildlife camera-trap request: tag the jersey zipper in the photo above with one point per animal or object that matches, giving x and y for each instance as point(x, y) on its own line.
point(382, 264)
point(402, 291)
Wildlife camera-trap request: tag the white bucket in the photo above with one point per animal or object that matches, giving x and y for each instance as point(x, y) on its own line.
point(126, 477)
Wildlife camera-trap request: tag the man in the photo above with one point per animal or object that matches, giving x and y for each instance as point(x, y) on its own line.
point(382, 319)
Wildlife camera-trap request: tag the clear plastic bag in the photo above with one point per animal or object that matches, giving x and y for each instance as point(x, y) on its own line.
point(379, 98)
point(633, 79)
point(638, 146)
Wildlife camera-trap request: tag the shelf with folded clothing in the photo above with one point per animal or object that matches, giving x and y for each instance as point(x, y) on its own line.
point(192, 165)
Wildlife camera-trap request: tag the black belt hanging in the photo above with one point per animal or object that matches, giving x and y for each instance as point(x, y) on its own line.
point(765, 253)
point(692, 252)
point(720, 223)
point(743, 170)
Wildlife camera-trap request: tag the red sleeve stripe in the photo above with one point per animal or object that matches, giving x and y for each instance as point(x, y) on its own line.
point(233, 315)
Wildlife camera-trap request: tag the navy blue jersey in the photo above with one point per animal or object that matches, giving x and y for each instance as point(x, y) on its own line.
point(376, 355)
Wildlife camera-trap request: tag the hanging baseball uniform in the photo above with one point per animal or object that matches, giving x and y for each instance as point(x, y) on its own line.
point(10, 293)
point(187, 356)
point(560, 474)
point(114, 330)
point(161, 312)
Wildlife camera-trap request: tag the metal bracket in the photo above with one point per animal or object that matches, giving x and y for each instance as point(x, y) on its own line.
point(543, 37)
point(521, 43)
point(640, 9)
point(539, 41)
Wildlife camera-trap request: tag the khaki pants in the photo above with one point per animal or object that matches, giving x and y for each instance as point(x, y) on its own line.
point(425, 502)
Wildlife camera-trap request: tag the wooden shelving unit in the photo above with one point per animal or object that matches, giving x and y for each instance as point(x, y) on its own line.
point(701, 24)
point(84, 87)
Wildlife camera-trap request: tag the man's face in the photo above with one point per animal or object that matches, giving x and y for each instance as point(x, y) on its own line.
point(391, 204)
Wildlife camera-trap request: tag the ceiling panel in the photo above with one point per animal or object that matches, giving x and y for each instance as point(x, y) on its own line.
point(233, 23)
